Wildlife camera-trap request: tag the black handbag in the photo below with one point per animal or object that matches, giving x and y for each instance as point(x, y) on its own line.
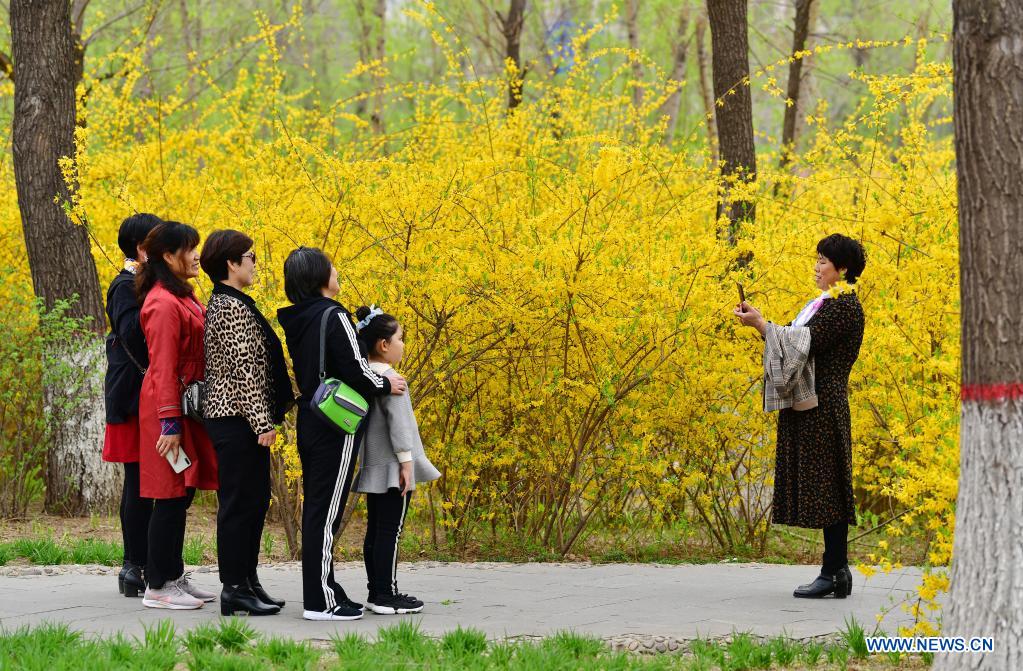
point(193, 400)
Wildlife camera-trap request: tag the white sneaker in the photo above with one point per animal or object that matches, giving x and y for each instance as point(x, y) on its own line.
point(336, 614)
point(170, 596)
point(194, 590)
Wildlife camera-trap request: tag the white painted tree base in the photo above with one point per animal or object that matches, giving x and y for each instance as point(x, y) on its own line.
point(78, 481)
point(987, 565)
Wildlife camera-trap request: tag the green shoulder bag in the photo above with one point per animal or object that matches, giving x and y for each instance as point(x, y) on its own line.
point(334, 401)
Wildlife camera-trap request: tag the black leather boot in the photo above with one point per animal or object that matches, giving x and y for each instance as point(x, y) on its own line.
point(241, 598)
point(824, 585)
point(129, 580)
point(261, 594)
point(848, 579)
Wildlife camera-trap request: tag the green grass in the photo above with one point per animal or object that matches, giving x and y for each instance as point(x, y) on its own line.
point(44, 550)
point(231, 644)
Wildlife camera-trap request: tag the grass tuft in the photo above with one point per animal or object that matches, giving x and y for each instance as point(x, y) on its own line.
point(40, 550)
point(234, 634)
point(285, 653)
point(95, 551)
point(464, 642)
point(855, 638)
point(201, 638)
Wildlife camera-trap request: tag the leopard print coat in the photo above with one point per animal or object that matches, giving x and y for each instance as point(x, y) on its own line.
point(238, 375)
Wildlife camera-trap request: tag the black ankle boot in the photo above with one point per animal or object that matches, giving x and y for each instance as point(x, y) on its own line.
point(261, 594)
point(848, 579)
point(824, 585)
point(129, 580)
point(241, 598)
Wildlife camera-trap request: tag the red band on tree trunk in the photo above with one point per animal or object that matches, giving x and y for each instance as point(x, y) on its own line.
point(992, 392)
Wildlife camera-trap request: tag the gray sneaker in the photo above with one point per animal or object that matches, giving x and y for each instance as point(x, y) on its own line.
point(192, 589)
point(170, 596)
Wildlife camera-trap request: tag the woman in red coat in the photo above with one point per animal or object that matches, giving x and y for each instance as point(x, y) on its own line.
point(172, 322)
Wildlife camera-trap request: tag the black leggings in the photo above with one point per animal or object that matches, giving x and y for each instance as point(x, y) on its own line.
point(836, 547)
point(134, 512)
point(244, 495)
point(385, 519)
point(167, 539)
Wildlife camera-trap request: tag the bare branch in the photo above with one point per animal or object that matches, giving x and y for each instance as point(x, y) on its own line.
point(123, 15)
point(78, 15)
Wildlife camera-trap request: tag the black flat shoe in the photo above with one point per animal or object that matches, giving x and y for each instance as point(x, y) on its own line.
point(823, 586)
point(241, 598)
point(129, 580)
point(261, 594)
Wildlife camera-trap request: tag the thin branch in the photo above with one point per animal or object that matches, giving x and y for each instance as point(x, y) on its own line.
point(123, 15)
point(78, 15)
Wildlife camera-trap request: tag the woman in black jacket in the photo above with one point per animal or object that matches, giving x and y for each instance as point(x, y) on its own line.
point(248, 391)
point(328, 456)
point(127, 359)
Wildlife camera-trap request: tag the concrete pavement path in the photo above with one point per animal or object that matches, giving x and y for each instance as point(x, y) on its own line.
point(610, 601)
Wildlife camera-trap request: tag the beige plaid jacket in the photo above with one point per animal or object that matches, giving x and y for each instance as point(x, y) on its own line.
point(788, 369)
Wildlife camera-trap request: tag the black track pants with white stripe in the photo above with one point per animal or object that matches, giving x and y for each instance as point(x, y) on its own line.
point(328, 462)
point(385, 520)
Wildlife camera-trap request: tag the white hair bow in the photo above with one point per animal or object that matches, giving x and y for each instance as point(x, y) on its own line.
point(374, 311)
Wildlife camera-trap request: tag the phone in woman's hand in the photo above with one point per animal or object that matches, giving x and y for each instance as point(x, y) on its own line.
point(742, 297)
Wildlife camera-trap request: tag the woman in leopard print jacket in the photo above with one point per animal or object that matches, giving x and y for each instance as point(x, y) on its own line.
point(248, 391)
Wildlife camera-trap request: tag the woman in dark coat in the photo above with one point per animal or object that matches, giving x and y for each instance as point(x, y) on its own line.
point(813, 468)
point(127, 359)
point(248, 391)
point(328, 456)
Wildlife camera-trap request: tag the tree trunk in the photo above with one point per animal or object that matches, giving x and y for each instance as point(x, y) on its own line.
point(730, 56)
point(987, 585)
point(804, 11)
point(511, 28)
point(372, 49)
point(706, 92)
point(380, 12)
point(632, 30)
point(673, 105)
point(47, 65)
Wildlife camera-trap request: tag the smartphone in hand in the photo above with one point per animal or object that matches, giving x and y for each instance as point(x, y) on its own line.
point(742, 297)
point(181, 463)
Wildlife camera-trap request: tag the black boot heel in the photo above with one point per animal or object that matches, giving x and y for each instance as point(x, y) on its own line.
point(120, 584)
point(841, 585)
point(240, 598)
point(130, 582)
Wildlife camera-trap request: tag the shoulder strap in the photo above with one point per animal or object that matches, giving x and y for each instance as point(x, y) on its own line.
point(117, 339)
point(323, 342)
point(127, 351)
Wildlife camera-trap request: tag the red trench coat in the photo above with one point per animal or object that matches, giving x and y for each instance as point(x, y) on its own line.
point(173, 328)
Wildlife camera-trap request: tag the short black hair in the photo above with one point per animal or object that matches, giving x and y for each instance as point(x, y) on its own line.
point(133, 232)
point(221, 247)
point(381, 327)
point(306, 272)
point(844, 252)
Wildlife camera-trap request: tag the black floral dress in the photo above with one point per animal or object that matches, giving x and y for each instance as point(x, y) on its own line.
point(813, 467)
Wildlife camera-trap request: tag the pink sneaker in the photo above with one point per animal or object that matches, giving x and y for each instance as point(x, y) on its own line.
point(170, 596)
point(192, 589)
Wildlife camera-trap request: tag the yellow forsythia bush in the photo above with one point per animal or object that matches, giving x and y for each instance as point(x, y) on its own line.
point(564, 286)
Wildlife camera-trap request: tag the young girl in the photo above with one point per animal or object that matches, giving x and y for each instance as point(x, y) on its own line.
point(392, 462)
